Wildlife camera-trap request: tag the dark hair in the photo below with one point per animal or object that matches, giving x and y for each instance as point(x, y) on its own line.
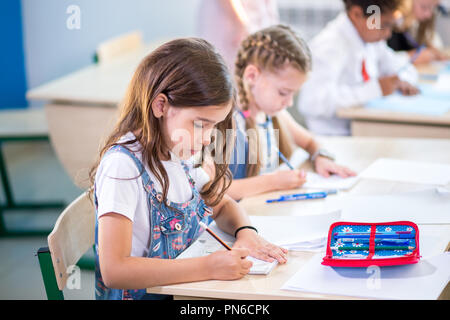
point(191, 74)
point(384, 5)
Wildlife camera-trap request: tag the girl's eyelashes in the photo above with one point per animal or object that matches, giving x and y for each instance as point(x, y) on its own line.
point(282, 93)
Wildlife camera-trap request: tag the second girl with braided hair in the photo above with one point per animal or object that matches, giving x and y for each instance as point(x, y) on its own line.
point(271, 66)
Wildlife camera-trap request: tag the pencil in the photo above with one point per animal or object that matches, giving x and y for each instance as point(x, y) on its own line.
point(215, 236)
point(282, 156)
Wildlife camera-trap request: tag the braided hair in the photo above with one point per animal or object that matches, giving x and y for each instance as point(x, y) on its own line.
point(271, 49)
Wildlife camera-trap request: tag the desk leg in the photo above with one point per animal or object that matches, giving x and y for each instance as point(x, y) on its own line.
point(5, 181)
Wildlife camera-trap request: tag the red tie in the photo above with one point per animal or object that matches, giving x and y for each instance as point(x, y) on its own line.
point(365, 75)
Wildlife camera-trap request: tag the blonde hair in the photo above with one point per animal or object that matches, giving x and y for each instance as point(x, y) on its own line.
point(425, 30)
point(271, 49)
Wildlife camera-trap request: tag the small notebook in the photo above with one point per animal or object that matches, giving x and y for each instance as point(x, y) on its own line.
point(206, 244)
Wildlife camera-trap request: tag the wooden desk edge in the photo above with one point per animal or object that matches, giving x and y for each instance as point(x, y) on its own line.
point(236, 295)
point(364, 114)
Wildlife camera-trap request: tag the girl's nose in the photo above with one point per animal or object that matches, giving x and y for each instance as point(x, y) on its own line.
point(290, 101)
point(206, 141)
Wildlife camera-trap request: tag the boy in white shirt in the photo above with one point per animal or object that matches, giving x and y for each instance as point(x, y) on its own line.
point(352, 65)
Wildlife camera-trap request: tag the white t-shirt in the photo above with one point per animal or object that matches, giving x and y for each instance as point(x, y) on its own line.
point(129, 198)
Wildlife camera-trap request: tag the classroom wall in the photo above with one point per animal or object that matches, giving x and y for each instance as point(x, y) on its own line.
point(12, 75)
point(52, 49)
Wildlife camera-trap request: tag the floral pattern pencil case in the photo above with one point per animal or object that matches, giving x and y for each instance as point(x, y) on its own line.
point(355, 244)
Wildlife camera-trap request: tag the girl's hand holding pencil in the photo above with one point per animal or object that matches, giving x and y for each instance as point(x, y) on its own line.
point(287, 179)
point(229, 264)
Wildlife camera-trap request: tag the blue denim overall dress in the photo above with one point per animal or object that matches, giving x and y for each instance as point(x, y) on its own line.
point(239, 156)
point(171, 231)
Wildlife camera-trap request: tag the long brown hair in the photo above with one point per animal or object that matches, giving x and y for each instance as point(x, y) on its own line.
point(426, 28)
point(270, 49)
point(190, 73)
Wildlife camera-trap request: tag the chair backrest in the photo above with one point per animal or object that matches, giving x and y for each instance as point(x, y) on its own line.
point(112, 48)
point(72, 236)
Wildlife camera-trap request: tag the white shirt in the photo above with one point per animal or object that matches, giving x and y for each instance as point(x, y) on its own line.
point(128, 197)
point(336, 79)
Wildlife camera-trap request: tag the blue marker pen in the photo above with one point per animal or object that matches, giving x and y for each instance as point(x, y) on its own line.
point(299, 196)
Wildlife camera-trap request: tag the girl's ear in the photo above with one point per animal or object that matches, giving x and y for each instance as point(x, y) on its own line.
point(251, 74)
point(356, 12)
point(160, 105)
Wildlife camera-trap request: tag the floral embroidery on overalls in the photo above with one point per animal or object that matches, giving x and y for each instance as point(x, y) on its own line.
point(173, 227)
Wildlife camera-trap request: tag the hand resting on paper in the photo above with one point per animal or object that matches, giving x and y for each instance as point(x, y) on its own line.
point(259, 247)
point(326, 167)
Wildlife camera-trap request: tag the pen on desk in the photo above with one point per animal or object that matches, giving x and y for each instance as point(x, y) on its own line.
point(285, 160)
point(299, 196)
point(295, 195)
point(215, 236)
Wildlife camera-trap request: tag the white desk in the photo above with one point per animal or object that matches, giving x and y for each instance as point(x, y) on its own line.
point(82, 109)
point(354, 152)
point(382, 123)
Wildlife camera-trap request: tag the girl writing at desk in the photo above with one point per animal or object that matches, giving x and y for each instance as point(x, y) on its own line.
point(149, 197)
point(271, 66)
point(416, 34)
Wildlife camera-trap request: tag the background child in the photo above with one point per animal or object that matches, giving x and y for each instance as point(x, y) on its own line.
point(149, 197)
point(271, 66)
point(352, 65)
point(225, 23)
point(416, 33)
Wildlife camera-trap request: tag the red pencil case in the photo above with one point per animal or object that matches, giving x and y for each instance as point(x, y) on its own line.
point(356, 244)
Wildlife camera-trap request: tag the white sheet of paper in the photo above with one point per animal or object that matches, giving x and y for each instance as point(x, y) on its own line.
point(443, 82)
point(421, 207)
point(408, 171)
point(424, 280)
point(316, 181)
point(291, 231)
point(432, 242)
